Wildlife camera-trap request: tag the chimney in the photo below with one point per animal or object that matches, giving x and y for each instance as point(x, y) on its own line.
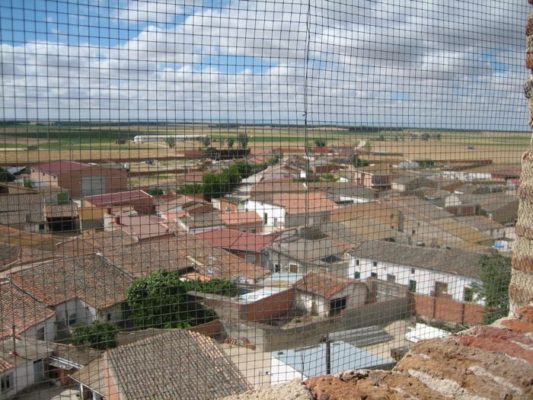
point(117, 220)
point(14, 337)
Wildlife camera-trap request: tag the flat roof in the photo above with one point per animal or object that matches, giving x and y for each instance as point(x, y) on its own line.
point(311, 361)
point(260, 294)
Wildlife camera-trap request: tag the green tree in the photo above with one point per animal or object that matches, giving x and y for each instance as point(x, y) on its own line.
point(28, 183)
point(368, 146)
point(171, 142)
point(98, 335)
point(319, 142)
point(156, 192)
point(230, 142)
point(206, 141)
point(6, 176)
point(358, 162)
point(425, 137)
point(242, 138)
point(160, 300)
point(495, 277)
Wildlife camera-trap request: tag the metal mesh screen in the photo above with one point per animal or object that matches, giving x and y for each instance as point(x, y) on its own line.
point(204, 197)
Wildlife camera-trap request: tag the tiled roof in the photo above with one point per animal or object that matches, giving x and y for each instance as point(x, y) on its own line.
point(480, 222)
point(324, 284)
point(240, 217)
point(216, 262)
point(99, 241)
point(150, 256)
point(232, 239)
point(90, 278)
point(281, 185)
point(55, 167)
point(19, 309)
point(203, 220)
point(299, 203)
point(177, 364)
point(8, 254)
point(449, 261)
point(126, 197)
point(143, 226)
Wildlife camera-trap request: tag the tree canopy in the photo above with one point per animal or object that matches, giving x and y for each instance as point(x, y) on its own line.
point(495, 278)
point(242, 138)
point(99, 335)
point(160, 300)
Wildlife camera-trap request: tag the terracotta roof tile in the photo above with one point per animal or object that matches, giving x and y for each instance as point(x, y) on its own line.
point(55, 167)
point(324, 284)
point(90, 278)
point(126, 197)
point(232, 239)
point(19, 309)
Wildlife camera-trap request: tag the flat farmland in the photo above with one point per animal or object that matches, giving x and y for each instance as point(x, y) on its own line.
point(21, 144)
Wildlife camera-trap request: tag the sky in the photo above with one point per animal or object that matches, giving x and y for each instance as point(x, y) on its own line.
point(455, 64)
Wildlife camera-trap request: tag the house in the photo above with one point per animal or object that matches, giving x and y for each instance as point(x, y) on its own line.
point(79, 289)
point(174, 364)
point(198, 223)
point(428, 271)
point(80, 179)
point(148, 256)
point(408, 183)
point(22, 364)
point(139, 200)
point(345, 192)
point(214, 262)
point(484, 225)
point(375, 176)
point(66, 359)
point(307, 249)
point(140, 227)
point(499, 207)
point(61, 217)
point(327, 294)
point(183, 205)
point(246, 221)
point(288, 210)
point(248, 246)
point(306, 362)
point(24, 314)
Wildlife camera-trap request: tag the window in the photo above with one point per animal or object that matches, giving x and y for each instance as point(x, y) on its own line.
point(40, 334)
point(374, 263)
point(468, 294)
point(374, 275)
point(356, 262)
point(391, 278)
point(336, 306)
point(412, 270)
point(412, 286)
point(441, 288)
point(277, 268)
point(293, 268)
point(265, 218)
point(72, 319)
point(109, 316)
point(6, 382)
point(357, 275)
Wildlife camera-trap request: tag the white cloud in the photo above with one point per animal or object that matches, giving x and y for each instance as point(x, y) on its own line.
point(448, 63)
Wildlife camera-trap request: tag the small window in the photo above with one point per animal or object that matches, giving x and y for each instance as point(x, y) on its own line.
point(373, 274)
point(374, 263)
point(109, 316)
point(391, 278)
point(72, 319)
point(412, 286)
point(293, 268)
point(468, 294)
point(357, 275)
point(40, 334)
point(6, 382)
point(265, 218)
point(336, 306)
point(356, 262)
point(413, 232)
point(412, 270)
point(277, 268)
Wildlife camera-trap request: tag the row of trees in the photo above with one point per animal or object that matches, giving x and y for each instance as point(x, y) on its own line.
point(242, 139)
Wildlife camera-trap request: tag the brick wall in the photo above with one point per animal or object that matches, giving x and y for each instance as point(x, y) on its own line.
point(446, 309)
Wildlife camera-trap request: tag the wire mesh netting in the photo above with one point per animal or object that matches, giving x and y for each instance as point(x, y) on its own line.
point(198, 198)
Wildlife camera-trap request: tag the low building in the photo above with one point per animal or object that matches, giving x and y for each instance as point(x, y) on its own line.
point(174, 364)
point(139, 200)
point(327, 294)
point(408, 183)
point(428, 271)
point(289, 210)
point(80, 179)
point(22, 364)
point(140, 227)
point(198, 223)
point(79, 289)
point(248, 246)
point(308, 249)
point(24, 315)
point(246, 221)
